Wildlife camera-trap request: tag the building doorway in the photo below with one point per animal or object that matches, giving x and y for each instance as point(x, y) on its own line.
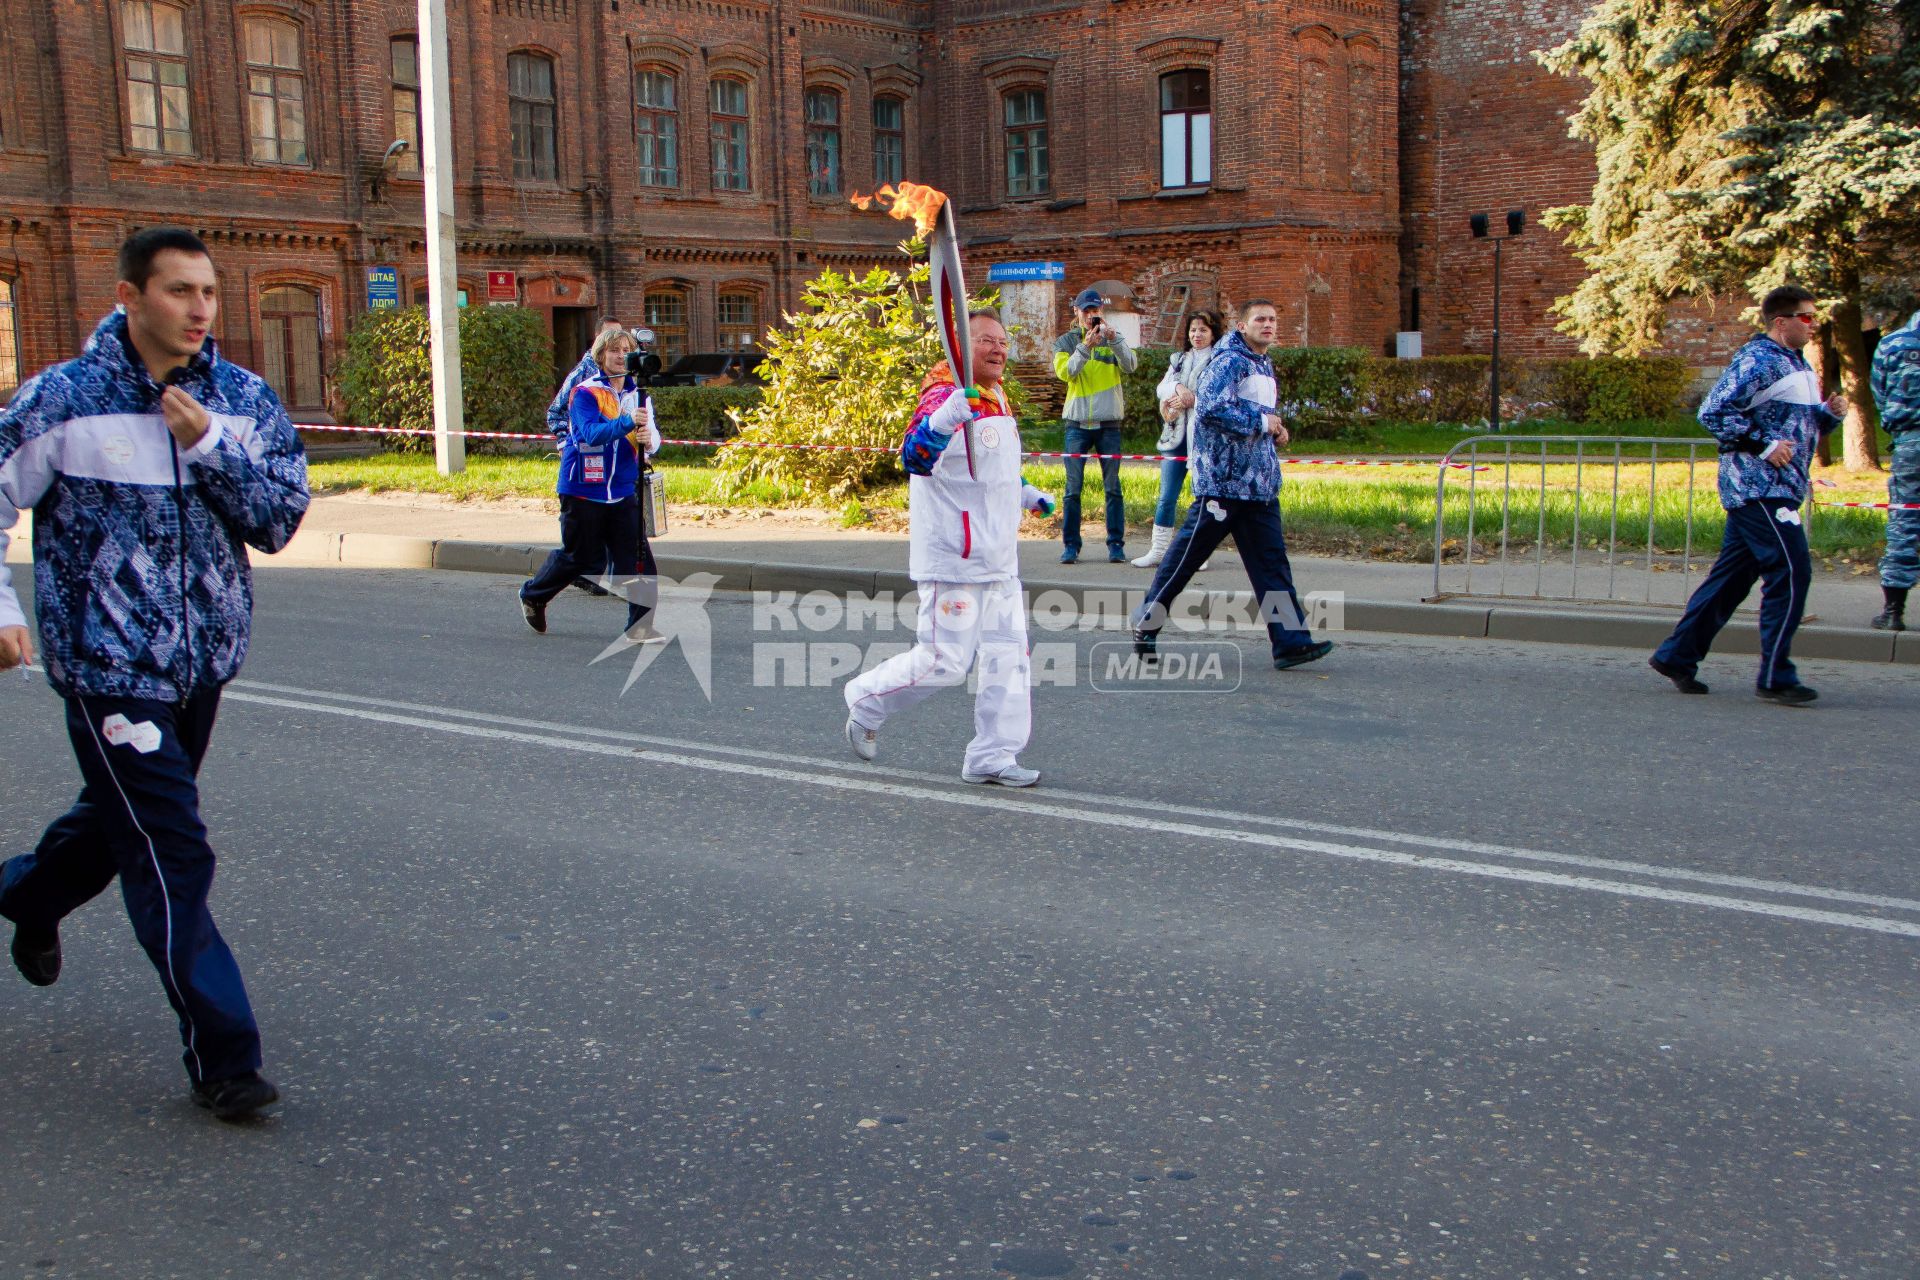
point(573, 329)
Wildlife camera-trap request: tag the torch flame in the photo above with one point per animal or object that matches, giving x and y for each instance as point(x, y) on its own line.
point(908, 200)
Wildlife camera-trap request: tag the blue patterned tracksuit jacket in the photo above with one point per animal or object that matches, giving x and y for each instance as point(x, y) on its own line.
point(141, 582)
point(1768, 393)
point(1233, 456)
point(559, 412)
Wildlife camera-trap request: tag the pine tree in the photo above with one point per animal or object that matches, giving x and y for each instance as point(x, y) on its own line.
point(1740, 146)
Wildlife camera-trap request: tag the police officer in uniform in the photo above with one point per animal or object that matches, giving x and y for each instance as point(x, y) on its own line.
point(1896, 386)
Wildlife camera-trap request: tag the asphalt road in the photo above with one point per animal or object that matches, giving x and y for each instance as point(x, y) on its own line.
point(1435, 959)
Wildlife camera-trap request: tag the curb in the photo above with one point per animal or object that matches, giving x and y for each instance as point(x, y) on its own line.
point(1531, 624)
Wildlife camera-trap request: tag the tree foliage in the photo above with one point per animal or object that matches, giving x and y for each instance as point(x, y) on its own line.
point(1740, 146)
point(506, 371)
point(846, 370)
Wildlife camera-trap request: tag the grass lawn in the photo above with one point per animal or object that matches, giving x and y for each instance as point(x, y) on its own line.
point(1384, 511)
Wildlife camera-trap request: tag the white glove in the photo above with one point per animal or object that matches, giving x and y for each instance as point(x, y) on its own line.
point(951, 415)
point(1036, 500)
point(630, 405)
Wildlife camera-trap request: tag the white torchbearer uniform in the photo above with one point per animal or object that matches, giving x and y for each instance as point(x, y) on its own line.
point(964, 562)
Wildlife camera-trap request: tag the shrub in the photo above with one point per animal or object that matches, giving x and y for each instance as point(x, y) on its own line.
point(1436, 388)
point(1140, 426)
point(1320, 388)
point(703, 413)
point(846, 370)
point(506, 363)
point(1618, 388)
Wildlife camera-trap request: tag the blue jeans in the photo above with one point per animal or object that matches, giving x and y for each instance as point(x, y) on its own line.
point(1101, 438)
point(1173, 474)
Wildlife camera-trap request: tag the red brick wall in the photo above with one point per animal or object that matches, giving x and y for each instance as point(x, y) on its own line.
point(1302, 204)
point(1483, 128)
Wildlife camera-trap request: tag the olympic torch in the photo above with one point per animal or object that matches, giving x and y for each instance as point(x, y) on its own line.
point(932, 215)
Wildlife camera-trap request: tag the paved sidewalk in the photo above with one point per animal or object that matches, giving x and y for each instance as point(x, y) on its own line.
point(807, 551)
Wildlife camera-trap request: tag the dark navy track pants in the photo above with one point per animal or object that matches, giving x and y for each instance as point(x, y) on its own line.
point(1257, 532)
point(1765, 541)
point(138, 817)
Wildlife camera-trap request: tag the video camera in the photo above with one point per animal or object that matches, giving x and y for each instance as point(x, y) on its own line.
point(643, 362)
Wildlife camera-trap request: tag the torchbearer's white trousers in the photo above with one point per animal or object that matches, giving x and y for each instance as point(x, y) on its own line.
point(961, 621)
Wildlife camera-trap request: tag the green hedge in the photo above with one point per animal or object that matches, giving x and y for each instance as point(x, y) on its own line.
point(1328, 390)
point(506, 364)
point(700, 412)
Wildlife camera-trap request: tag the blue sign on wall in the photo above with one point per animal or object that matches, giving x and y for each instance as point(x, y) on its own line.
point(1014, 272)
point(383, 288)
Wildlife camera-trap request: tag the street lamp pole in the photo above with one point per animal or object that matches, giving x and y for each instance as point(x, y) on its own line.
point(1516, 223)
point(443, 304)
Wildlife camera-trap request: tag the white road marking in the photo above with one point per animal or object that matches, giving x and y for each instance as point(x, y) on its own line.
point(445, 720)
point(1752, 884)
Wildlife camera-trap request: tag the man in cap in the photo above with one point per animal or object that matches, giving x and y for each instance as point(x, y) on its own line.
point(1092, 358)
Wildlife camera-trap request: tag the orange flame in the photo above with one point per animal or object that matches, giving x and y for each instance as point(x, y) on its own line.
point(908, 200)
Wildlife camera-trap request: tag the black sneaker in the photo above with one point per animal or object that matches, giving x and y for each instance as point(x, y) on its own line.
point(1301, 655)
point(36, 953)
point(535, 614)
point(1787, 695)
point(236, 1098)
point(1682, 680)
point(1146, 644)
point(589, 586)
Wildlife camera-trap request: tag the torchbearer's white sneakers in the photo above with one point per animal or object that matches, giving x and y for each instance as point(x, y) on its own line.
point(1012, 775)
point(865, 742)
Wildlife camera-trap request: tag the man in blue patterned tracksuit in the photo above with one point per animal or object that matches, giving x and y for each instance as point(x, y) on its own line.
point(1896, 385)
point(150, 464)
point(1767, 414)
point(1236, 490)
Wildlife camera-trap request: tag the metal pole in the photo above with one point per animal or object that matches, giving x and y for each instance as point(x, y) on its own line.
point(443, 314)
point(1494, 417)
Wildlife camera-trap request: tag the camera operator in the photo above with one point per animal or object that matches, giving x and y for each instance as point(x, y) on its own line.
point(610, 435)
point(1092, 358)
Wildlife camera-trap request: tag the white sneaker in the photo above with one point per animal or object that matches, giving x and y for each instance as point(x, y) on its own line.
point(1012, 775)
point(865, 742)
point(643, 634)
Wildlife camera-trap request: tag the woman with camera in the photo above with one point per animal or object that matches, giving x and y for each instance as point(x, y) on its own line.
point(1176, 394)
point(610, 435)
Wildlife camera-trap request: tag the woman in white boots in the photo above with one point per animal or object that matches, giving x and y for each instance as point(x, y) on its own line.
point(1176, 395)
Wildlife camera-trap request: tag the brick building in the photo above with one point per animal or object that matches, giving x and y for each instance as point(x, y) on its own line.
point(688, 162)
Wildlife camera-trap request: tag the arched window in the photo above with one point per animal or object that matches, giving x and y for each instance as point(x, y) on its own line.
point(727, 107)
point(823, 142)
point(154, 37)
point(666, 312)
point(276, 92)
point(889, 140)
point(532, 115)
point(9, 341)
point(656, 106)
point(290, 345)
point(403, 55)
point(1186, 129)
point(1026, 143)
point(739, 322)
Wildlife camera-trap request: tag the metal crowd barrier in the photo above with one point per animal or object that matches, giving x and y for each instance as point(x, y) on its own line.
point(1559, 579)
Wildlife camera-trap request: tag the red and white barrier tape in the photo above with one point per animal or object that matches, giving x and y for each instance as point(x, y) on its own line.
point(1872, 506)
point(860, 448)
